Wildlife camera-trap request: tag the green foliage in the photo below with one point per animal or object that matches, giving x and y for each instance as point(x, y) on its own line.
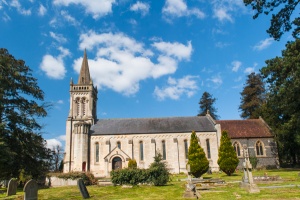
point(132, 164)
point(158, 171)
point(252, 96)
point(254, 161)
point(282, 21)
point(207, 105)
point(88, 178)
point(128, 176)
point(227, 160)
point(282, 108)
point(19, 130)
point(197, 159)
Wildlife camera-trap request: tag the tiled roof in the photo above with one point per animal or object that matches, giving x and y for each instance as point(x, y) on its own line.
point(250, 128)
point(153, 125)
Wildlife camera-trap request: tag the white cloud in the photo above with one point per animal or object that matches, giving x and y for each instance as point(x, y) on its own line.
point(140, 7)
point(42, 10)
point(58, 37)
point(54, 66)
point(249, 70)
point(222, 15)
point(53, 143)
point(177, 87)
point(178, 8)
point(6, 17)
point(94, 7)
point(225, 10)
point(16, 4)
point(216, 80)
point(121, 62)
point(69, 18)
point(236, 65)
point(60, 102)
point(263, 44)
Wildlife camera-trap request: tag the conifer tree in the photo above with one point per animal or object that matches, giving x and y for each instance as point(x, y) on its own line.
point(252, 97)
point(228, 160)
point(207, 105)
point(197, 159)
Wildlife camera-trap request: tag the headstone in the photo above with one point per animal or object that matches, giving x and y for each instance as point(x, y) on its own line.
point(247, 181)
point(31, 190)
point(84, 193)
point(190, 190)
point(12, 187)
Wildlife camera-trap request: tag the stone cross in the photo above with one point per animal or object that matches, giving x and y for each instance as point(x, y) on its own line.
point(12, 187)
point(84, 193)
point(31, 190)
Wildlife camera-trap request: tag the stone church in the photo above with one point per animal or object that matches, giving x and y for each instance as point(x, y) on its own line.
point(103, 145)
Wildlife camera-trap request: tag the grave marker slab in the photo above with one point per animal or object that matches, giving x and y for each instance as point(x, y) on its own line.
point(31, 190)
point(12, 187)
point(84, 193)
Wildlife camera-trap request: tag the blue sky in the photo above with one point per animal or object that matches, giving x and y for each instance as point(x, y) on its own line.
point(147, 58)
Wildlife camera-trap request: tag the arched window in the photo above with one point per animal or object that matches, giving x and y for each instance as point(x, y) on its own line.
point(186, 149)
point(119, 144)
point(141, 150)
point(97, 151)
point(237, 148)
point(259, 148)
point(164, 150)
point(208, 148)
point(77, 106)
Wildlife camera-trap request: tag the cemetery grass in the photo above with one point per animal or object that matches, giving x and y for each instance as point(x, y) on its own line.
point(286, 188)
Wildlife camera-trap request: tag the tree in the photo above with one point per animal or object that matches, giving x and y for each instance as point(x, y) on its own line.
point(282, 21)
point(197, 159)
point(227, 160)
point(282, 108)
point(19, 129)
point(158, 171)
point(207, 105)
point(56, 158)
point(252, 96)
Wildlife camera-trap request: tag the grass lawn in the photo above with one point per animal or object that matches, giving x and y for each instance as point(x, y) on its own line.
point(287, 188)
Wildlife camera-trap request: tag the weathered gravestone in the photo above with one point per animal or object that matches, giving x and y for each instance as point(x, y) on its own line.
point(190, 190)
point(31, 190)
point(84, 193)
point(12, 187)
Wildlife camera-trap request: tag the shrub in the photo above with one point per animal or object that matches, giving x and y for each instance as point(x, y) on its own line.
point(88, 178)
point(254, 161)
point(128, 176)
point(197, 159)
point(158, 172)
point(132, 164)
point(228, 160)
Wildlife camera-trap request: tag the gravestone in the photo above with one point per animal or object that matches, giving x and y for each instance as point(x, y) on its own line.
point(12, 187)
point(247, 181)
point(84, 193)
point(31, 190)
point(190, 190)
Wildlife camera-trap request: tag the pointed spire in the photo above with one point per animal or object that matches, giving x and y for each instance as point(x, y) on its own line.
point(84, 76)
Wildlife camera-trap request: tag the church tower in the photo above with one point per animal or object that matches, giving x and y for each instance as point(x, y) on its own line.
point(82, 115)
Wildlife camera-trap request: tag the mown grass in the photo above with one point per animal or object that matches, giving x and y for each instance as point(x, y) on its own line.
point(175, 189)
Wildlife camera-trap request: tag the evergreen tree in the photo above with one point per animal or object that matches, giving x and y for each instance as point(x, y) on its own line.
point(283, 17)
point(207, 105)
point(197, 159)
point(282, 108)
point(158, 171)
point(252, 96)
point(228, 160)
point(19, 129)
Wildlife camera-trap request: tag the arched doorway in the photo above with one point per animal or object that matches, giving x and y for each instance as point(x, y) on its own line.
point(116, 163)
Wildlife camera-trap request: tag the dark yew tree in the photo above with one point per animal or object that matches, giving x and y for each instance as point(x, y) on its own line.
point(283, 17)
point(197, 159)
point(253, 96)
point(282, 108)
point(228, 160)
point(23, 147)
point(207, 105)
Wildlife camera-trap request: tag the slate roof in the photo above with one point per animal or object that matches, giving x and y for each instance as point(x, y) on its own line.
point(152, 125)
point(250, 128)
